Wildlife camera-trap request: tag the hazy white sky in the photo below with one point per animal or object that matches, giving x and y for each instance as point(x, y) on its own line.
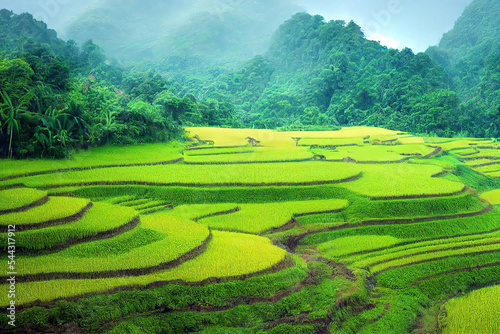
point(397, 23)
point(416, 24)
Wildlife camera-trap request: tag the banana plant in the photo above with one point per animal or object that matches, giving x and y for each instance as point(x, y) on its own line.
point(11, 114)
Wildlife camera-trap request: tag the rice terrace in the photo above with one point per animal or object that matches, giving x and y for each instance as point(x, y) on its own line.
point(362, 230)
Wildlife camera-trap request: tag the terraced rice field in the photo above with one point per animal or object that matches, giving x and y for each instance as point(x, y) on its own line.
point(279, 236)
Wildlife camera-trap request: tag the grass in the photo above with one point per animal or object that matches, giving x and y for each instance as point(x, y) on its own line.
point(462, 143)
point(429, 253)
point(405, 179)
point(162, 238)
point(237, 137)
point(100, 218)
point(218, 150)
point(492, 196)
point(258, 218)
point(404, 248)
point(477, 312)
point(347, 245)
point(54, 209)
point(228, 254)
point(403, 277)
point(377, 153)
point(15, 198)
point(270, 173)
point(259, 154)
point(418, 231)
point(97, 156)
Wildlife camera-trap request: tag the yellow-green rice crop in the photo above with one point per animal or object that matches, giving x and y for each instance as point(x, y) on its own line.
point(347, 245)
point(227, 255)
point(258, 154)
point(55, 208)
point(412, 149)
point(97, 156)
point(475, 248)
point(476, 312)
point(419, 247)
point(257, 218)
point(347, 132)
point(219, 150)
point(404, 179)
point(361, 153)
point(492, 196)
point(269, 173)
point(331, 141)
point(18, 197)
point(462, 143)
point(478, 162)
point(488, 169)
point(411, 140)
point(237, 137)
point(101, 217)
point(179, 237)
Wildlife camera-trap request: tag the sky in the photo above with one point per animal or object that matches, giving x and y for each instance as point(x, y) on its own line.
point(416, 24)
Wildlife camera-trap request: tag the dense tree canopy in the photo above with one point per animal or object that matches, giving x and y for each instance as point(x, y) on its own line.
point(56, 96)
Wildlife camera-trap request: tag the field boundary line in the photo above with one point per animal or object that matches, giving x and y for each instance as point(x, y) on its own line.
point(38, 202)
point(199, 185)
point(283, 264)
point(454, 271)
point(434, 259)
point(433, 251)
point(245, 162)
point(221, 153)
point(220, 213)
point(293, 241)
point(75, 241)
point(118, 273)
point(388, 198)
point(55, 222)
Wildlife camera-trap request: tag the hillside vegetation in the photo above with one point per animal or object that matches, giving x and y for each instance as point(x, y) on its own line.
point(294, 236)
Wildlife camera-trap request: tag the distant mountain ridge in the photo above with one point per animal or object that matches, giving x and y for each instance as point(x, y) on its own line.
point(470, 53)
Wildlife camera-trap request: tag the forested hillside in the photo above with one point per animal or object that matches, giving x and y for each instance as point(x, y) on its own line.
point(471, 55)
point(326, 73)
point(57, 96)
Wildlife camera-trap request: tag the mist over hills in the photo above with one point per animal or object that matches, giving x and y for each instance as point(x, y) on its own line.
point(470, 53)
point(208, 33)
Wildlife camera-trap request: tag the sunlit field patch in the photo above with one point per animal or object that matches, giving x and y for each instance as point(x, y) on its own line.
point(476, 312)
point(238, 137)
point(227, 255)
point(97, 156)
point(395, 180)
point(492, 196)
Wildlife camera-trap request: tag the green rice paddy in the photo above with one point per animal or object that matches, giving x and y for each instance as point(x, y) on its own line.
point(245, 239)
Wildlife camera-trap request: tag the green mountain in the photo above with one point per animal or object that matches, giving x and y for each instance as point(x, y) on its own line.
point(470, 53)
point(319, 73)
